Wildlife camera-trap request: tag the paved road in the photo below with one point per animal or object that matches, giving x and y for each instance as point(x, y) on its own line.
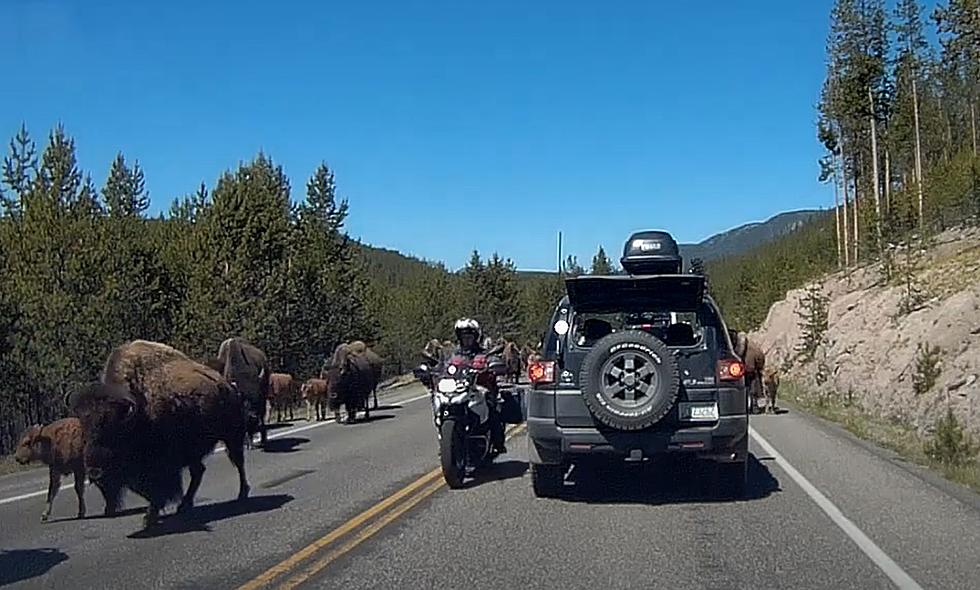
point(343, 506)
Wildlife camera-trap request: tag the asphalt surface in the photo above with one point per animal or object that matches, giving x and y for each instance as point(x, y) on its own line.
point(828, 512)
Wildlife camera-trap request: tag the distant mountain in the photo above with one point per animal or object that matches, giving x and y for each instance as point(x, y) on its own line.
point(745, 237)
point(392, 267)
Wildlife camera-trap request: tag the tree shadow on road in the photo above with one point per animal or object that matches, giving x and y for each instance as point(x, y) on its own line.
point(499, 471)
point(278, 426)
point(663, 483)
point(287, 444)
point(201, 517)
point(18, 565)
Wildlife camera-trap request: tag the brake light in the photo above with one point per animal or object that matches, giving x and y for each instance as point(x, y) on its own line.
point(541, 372)
point(730, 370)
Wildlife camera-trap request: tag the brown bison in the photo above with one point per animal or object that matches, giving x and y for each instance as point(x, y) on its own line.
point(770, 384)
point(154, 412)
point(283, 395)
point(512, 361)
point(755, 364)
point(315, 393)
point(359, 347)
point(246, 367)
point(61, 446)
point(351, 380)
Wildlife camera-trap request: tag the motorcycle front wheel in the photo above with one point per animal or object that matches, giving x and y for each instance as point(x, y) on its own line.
point(452, 453)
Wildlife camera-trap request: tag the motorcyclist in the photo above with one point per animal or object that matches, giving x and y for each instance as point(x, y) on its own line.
point(468, 343)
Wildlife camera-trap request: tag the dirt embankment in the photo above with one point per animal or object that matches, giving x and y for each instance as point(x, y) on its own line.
point(870, 352)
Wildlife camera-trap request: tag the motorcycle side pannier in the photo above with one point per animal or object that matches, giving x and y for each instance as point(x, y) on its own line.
point(512, 410)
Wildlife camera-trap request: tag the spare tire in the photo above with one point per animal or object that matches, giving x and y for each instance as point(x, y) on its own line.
point(629, 380)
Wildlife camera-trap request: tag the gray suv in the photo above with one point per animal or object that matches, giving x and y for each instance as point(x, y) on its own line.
point(635, 366)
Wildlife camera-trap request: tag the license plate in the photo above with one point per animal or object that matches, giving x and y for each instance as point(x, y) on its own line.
point(706, 412)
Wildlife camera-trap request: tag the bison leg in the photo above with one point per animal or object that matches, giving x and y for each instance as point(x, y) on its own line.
point(54, 483)
point(197, 474)
point(111, 493)
point(152, 515)
point(263, 435)
point(237, 456)
point(80, 491)
point(375, 392)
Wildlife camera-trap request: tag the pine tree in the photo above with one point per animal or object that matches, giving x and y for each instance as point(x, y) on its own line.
point(19, 171)
point(572, 268)
point(501, 298)
point(813, 321)
point(601, 265)
point(125, 190)
point(238, 265)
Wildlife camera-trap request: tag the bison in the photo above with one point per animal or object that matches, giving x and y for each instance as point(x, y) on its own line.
point(770, 385)
point(154, 412)
point(61, 446)
point(351, 380)
point(359, 347)
point(246, 367)
point(755, 364)
point(315, 393)
point(283, 395)
point(512, 360)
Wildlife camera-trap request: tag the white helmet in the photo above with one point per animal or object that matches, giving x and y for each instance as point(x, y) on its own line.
point(467, 325)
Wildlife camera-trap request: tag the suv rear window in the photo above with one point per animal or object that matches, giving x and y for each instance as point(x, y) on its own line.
point(673, 328)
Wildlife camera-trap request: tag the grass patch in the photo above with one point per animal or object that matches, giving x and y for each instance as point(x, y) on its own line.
point(898, 437)
point(8, 465)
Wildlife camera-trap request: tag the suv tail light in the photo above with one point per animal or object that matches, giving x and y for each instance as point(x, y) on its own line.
point(541, 372)
point(730, 370)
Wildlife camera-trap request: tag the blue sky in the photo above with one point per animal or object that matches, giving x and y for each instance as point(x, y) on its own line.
point(450, 125)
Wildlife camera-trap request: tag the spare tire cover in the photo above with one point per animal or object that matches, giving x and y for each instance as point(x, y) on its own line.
point(629, 380)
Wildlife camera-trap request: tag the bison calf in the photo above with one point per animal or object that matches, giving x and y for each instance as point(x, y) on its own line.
point(282, 395)
point(770, 385)
point(316, 393)
point(61, 446)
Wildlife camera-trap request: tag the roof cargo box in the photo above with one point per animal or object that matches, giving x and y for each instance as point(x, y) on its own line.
point(651, 253)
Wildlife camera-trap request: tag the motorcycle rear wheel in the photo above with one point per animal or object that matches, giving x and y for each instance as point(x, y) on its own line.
point(452, 453)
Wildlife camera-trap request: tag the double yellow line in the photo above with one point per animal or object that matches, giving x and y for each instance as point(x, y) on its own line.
point(312, 559)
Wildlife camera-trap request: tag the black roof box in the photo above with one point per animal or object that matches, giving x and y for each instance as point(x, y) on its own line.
point(651, 253)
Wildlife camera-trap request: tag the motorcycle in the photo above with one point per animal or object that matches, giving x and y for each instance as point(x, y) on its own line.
point(461, 407)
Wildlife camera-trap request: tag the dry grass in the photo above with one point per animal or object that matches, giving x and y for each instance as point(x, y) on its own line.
point(948, 276)
point(902, 439)
point(8, 465)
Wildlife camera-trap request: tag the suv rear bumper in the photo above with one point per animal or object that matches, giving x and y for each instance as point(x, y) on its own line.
point(550, 444)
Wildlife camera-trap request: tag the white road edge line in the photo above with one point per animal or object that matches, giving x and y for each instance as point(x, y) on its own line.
point(218, 449)
point(886, 564)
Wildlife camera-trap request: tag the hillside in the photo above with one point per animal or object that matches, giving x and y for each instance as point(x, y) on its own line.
point(746, 237)
point(873, 355)
point(392, 264)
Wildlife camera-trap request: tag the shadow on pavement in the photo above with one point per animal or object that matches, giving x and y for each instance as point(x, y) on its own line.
point(287, 444)
point(277, 426)
point(100, 515)
point(663, 483)
point(500, 471)
point(18, 565)
point(199, 519)
point(384, 407)
point(374, 418)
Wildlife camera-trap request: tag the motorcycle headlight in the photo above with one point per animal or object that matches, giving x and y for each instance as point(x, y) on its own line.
point(446, 386)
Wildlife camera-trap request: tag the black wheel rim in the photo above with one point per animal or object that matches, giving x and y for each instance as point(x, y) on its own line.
point(629, 379)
